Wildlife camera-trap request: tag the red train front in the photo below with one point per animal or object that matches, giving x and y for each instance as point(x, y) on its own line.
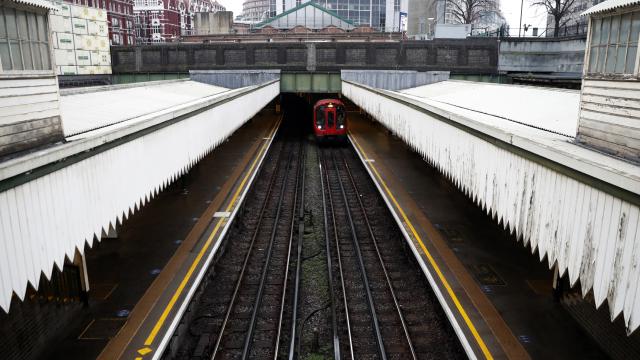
point(330, 119)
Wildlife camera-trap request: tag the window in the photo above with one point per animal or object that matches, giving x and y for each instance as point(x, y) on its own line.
point(331, 119)
point(320, 119)
point(24, 40)
point(341, 117)
point(614, 44)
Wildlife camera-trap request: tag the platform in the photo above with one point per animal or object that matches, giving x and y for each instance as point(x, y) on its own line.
point(498, 294)
point(147, 271)
point(158, 313)
point(78, 189)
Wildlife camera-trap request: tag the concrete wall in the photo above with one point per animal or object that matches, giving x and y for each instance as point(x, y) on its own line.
point(234, 79)
point(29, 329)
point(310, 82)
point(542, 55)
point(470, 56)
point(394, 80)
point(208, 23)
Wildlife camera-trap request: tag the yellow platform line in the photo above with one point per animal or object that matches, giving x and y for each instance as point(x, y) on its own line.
point(185, 280)
point(433, 263)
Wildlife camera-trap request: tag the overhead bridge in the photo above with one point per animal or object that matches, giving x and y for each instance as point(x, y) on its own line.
point(290, 82)
point(460, 56)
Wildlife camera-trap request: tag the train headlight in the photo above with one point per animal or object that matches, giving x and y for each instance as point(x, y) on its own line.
point(319, 127)
point(341, 126)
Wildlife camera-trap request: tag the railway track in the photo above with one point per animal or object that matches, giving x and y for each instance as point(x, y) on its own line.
point(264, 278)
point(380, 312)
point(360, 294)
point(247, 311)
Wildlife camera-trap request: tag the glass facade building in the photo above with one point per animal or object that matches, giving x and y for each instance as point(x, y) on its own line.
point(254, 11)
point(360, 12)
point(382, 15)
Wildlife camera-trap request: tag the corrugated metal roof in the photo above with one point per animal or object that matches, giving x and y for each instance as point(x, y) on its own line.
point(610, 5)
point(93, 112)
point(37, 3)
point(547, 109)
point(310, 15)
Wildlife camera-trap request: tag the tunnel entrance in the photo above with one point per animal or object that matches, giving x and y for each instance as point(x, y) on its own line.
point(310, 82)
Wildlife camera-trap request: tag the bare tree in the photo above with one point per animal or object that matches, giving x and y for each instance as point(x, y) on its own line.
point(470, 11)
point(559, 10)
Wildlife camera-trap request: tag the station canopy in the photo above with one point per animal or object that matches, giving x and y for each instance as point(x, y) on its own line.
point(309, 15)
point(610, 5)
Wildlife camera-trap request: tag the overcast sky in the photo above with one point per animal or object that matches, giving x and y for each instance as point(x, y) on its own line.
point(531, 15)
point(232, 5)
point(511, 8)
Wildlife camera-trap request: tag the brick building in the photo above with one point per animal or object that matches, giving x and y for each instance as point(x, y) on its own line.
point(119, 16)
point(158, 21)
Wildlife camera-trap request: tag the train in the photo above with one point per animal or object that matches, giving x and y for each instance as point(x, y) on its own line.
point(330, 120)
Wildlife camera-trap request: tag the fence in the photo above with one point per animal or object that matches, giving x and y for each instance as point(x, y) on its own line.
point(579, 29)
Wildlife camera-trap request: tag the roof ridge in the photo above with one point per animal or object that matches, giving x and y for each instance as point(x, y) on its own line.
point(609, 5)
point(303, 5)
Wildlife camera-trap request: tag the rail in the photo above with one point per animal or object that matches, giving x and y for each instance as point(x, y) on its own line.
point(296, 279)
point(296, 291)
point(363, 270)
point(397, 307)
point(265, 268)
point(334, 317)
point(245, 263)
point(360, 263)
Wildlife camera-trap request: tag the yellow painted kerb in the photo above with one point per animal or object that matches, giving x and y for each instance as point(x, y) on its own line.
point(194, 265)
point(433, 263)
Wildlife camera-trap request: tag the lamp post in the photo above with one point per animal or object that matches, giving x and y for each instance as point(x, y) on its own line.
point(429, 35)
point(520, 27)
point(444, 12)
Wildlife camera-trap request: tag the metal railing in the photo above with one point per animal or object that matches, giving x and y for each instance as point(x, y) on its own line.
point(579, 29)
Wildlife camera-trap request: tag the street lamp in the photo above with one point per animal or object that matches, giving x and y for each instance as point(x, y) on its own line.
point(521, 7)
point(429, 20)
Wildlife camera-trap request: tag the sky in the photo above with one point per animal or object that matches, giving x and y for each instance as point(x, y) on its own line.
point(235, 6)
point(511, 9)
point(531, 15)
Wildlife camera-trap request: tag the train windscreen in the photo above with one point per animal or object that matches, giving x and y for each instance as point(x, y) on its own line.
point(341, 117)
point(320, 116)
point(332, 119)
